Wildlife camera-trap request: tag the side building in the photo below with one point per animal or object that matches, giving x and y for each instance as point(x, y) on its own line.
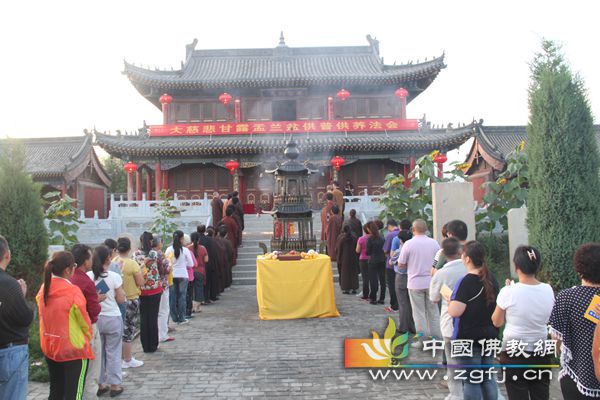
point(69, 165)
point(487, 157)
point(228, 114)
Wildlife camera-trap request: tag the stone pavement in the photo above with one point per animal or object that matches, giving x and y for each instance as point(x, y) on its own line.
point(227, 352)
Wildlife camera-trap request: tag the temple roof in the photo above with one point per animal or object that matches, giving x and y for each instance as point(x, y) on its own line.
point(284, 66)
point(338, 142)
point(493, 143)
point(65, 157)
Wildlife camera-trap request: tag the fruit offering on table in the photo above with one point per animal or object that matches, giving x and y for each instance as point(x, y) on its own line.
point(272, 256)
point(310, 255)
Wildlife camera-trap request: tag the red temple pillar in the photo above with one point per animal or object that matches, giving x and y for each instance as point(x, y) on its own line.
point(130, 186)
point(403, 108)
point(330, 108)
point(165, 180)
point(411, 166)
point(138, 185)
point(148, 185)
point(158, 180)
point(237, 108)
point(440, 170)
point(165, 101)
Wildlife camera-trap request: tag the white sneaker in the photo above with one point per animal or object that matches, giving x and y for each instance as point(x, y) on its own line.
point(133, 363)
point(185, 321)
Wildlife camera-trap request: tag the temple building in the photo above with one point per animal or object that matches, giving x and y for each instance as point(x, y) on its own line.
point(487, 157)
point(69, 165)
point(228, 114)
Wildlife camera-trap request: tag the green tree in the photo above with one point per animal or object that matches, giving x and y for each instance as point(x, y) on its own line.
point(563, 206)
point(22, 217)
point(63, 219)
point(415, 201)
point(164, 213)
point(114, 169)
point(508, 191)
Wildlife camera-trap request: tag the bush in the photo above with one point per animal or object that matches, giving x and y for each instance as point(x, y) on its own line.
point(38, 369)
point(497, 254)
point(22, 217)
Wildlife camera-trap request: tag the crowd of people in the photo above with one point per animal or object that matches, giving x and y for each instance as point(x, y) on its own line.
point(92, 301)
point(448, 293)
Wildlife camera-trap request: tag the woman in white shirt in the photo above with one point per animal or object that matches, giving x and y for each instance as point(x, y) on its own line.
point(525, 307)
point(180, 260)
point(110, 322)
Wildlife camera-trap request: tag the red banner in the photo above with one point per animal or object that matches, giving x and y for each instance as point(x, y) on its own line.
point(247, 128)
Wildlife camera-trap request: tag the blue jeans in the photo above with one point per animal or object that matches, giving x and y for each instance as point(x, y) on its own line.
point(480, 383)
point(14, 372)
point(177, 299)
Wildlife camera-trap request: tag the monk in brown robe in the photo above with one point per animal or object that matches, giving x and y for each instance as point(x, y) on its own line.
point(216, 206)
point(230, 255)
point(338, 198)
point(334, 227)
point(326, 214)
point(220, 259)
point(347, 260)
point(238, 215)
point(355, 224)
point(227, 203)
point(232, 229)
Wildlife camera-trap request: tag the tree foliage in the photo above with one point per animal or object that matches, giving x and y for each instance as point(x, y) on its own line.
point(22, 216)
point(164, 213)
point(415, 201)
point(563, 206)
point(63, 219)
point(114, 169)
point(508, 191)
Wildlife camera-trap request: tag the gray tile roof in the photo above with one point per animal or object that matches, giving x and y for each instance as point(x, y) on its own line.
point(55, 156)
point(285, 67)
point(225, 145)
point(498, 141)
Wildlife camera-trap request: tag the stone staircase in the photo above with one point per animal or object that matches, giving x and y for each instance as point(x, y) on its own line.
point(260, 230)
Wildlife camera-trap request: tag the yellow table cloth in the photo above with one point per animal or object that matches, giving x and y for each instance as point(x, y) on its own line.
point(295, 289)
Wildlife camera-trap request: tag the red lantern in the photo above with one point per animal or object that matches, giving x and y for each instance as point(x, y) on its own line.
point(343, 95)
point(130, 167)
point(440, 158)
point(165, 99)
point(337, 162)
point(232, 165)
point(401, 93)
point(225, 98)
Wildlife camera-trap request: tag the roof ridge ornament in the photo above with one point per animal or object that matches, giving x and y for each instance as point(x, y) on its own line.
point(374, 43)
point(281, 40)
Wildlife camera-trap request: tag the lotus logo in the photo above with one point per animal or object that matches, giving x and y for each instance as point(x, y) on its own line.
point(378, 352)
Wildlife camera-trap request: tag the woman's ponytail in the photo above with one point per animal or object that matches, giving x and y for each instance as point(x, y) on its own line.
point(61, 260)
point(177, 235)
point(476, 252)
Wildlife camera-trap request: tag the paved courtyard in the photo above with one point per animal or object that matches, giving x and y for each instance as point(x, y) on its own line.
point(227, 352)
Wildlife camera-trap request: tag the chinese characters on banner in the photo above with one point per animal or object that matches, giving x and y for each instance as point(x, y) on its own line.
point(246, 128)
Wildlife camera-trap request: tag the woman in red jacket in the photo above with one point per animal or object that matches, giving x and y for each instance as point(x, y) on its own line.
point(65, 328)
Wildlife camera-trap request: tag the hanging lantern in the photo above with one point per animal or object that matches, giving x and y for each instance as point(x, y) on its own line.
point(165, 99)
point(232, 165)
point(440, 158)
point(401, 93)
point(130, 167)
point(337, 162)
point(225, 98)
point(343, 95)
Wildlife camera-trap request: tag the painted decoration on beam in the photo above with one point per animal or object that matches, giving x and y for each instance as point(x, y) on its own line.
point(318, 126)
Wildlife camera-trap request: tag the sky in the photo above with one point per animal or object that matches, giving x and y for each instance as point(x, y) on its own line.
point(62, 61)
